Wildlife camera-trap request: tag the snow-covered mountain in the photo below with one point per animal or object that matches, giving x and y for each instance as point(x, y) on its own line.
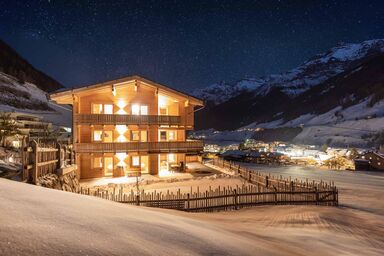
point(335, 97)
point(28, 98)
point(24, 89)
point(300, 79)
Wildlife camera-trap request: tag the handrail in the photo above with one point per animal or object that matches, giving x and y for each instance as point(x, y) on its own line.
point(113, 119)
point(150, 147)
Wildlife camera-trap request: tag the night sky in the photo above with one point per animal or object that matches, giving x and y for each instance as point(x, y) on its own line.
point(184, 44)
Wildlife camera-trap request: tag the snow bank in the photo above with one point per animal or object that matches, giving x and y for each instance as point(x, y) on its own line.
point(41, 221)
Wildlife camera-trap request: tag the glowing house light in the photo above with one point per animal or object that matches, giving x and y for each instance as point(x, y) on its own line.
point(121, 104)
point(121, 157)
point(121, 129)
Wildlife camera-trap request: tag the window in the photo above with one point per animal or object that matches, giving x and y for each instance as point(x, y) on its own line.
point(171, 158)
point(135, 109)
point(98, 162)
point(143, 136)
point(143, 110)
point(97, 135)
point(139, 109)
point(108, 109)
point(97, 108)
point(135, 135)
point(102, 109)
point(163, 111)
point(136, 161)
point(172, 135)
point(108, 136)
point(163, 135)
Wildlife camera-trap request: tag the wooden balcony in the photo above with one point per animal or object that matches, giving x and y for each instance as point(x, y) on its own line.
point(109, 119)
point(148, 147)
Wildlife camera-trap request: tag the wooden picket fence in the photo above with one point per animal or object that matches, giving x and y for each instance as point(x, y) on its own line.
point(227, 198)
point(41, 158)
point(270, 181)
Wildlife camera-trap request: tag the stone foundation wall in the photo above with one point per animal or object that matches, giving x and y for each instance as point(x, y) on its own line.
point(67, 182)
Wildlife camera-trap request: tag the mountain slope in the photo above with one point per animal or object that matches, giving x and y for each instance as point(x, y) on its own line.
point(28, 98)
point(300, 79)
point(345, 105)
point(13, 64)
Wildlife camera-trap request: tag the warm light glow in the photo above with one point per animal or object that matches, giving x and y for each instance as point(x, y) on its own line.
point(121, 157)
point(121, 129)
point(135, 109)
point(121, 104)
point(162, 101)
point(121, 138)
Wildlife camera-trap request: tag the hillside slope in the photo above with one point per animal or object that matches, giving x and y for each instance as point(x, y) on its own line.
point(13, 64)
point(28, 98)
point(41, 221)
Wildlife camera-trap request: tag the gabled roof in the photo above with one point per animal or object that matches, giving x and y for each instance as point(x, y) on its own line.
point(70, 91)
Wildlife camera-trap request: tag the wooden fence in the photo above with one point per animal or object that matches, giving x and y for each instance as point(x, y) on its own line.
point(41, 158)
point(270, 181)
point(226, 198)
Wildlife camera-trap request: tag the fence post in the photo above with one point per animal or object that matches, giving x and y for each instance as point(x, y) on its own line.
point(317, 196)
point(236, 200)
point(137, 199)
point(266, 181)
point(188, 202)
point(35, 161)
point(275, 195)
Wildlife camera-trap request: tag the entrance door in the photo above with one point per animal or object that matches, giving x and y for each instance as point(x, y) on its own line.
point(108, 166)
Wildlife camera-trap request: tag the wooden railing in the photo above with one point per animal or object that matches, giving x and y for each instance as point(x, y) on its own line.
point(109, 119)
point(150, 147)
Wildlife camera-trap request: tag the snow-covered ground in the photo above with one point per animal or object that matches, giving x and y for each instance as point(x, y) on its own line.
point(41, 221)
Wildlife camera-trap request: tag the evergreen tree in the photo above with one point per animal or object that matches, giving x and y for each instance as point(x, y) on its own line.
point(8, 127)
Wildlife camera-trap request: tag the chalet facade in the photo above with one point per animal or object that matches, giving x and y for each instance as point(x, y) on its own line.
point(130, 125)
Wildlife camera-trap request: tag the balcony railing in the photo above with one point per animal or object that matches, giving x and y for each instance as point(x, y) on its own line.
point(149, 147)
point(109, 119)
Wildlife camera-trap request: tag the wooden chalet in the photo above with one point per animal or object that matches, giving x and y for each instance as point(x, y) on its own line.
point(130, 125)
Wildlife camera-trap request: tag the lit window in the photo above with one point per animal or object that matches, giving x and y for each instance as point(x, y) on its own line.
point(143, 136)
point(97, 162)
point(135, 109)
point(97, 135)
point(163, 111)
point(163, 135)
point(136, 161)
point(108, 109)
point(97, 108)
point(171, 158)
point(135, 135)
point(108, 136)
point(143, 110)
point(172, 135)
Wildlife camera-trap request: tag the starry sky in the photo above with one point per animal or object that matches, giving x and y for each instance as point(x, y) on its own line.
point(183, 44)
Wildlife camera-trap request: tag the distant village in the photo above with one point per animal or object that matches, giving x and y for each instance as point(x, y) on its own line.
point(281, 153)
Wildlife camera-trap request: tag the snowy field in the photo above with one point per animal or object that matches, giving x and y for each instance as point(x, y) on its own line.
point(39, 221)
